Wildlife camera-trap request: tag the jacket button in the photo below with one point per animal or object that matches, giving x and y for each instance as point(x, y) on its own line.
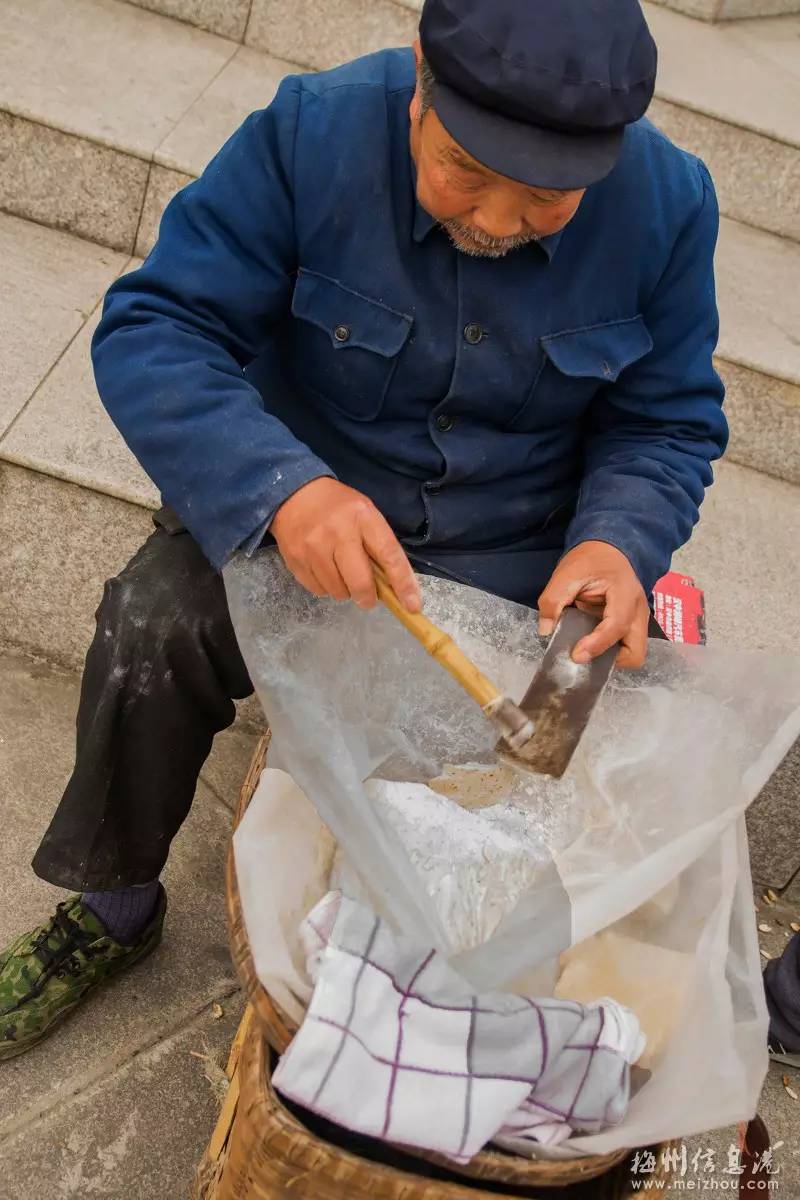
point(445, 422)
point(342, 333)
point(432, 489)
point(473, 334)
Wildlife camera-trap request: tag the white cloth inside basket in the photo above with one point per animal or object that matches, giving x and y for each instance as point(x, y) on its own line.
point(395, 1045)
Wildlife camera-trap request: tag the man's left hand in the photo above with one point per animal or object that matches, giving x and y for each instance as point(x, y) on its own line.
point(598, 578)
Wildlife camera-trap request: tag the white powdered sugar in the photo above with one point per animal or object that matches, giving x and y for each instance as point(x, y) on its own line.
point(567, 673)
point(477, 848)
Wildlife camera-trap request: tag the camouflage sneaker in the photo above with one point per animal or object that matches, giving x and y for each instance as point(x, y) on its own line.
point(45, 974)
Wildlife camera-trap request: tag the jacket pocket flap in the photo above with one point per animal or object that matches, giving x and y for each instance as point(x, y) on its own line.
point(602, 351)
point(349, 318)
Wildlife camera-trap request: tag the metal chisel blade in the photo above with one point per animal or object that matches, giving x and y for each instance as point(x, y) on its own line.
point(562, 697)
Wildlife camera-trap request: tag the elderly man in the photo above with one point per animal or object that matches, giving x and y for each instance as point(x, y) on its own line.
point(449, 309)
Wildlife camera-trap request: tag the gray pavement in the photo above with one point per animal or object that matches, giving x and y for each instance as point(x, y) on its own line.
point(115, 1105)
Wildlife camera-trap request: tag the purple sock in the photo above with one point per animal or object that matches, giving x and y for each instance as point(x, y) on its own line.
point(126, 911)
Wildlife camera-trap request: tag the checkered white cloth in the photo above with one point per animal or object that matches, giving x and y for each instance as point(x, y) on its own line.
point(396, 1046)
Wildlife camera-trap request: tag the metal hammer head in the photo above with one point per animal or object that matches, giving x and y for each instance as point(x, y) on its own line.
point(551, 718)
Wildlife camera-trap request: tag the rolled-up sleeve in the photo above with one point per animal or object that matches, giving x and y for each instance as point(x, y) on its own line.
point(176, 334)
point(652, 436)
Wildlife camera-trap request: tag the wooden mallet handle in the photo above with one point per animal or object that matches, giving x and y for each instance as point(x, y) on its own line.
point(440, 646)
point(515, 725)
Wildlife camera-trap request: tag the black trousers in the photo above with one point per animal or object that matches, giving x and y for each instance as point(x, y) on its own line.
point(160, 679)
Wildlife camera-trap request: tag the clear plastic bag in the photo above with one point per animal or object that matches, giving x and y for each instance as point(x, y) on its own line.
point(644, 837)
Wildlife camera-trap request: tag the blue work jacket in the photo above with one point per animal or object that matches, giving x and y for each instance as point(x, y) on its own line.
point(302, 315)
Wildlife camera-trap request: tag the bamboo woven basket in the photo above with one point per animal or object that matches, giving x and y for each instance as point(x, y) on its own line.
point(270, 1154)
point(490, 1166)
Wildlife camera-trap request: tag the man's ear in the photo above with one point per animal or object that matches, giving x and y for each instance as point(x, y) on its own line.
point(414, 107)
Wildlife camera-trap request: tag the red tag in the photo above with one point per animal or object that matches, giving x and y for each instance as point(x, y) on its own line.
point(680, 609)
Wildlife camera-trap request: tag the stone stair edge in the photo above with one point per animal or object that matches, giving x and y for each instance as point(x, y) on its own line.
point(653, 8)
point(214, 17)
point(157, 156)
point(712, 114)
point(718, 11)
point(751, 456)
point(701, 10)
point(122, 210)
point(51, 119)
point(101, 487)
point(102, 185)
point(759, 368)
point(74, 540)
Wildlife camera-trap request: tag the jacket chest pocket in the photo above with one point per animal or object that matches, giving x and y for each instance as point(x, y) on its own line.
point(574, 365)
point(345, 346)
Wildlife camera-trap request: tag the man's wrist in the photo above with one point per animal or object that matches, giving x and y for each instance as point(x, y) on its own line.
point(603, 548)
point(620, 533)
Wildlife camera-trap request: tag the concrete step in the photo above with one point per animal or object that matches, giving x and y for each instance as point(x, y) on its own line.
point(107, 109)
point(75, 505)
point(318, 35)
point(231, 19)
point(731, 94)
point(759, 352)
point(726, 10)
point(228, 18)
point(75, 509)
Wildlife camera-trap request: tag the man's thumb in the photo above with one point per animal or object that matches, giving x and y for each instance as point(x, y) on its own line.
point(553, 600)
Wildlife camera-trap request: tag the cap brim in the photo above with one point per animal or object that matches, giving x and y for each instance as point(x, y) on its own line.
point(530, 154)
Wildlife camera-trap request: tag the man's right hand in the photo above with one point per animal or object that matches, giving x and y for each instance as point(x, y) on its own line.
point(330, 535)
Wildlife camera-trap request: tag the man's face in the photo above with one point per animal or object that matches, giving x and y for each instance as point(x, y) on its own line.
point(484, 213)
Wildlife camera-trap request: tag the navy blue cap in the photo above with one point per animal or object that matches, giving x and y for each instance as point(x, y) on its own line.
point(539, 90)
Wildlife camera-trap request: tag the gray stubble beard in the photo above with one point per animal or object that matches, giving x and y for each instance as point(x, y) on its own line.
point(481, 245)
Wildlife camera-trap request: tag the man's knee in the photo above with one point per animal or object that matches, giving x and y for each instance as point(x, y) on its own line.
point(162, 598)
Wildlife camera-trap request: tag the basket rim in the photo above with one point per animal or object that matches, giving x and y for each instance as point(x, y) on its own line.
point(294, 1141)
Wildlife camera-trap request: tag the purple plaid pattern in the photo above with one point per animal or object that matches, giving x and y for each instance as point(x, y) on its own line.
point(395, 1045)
